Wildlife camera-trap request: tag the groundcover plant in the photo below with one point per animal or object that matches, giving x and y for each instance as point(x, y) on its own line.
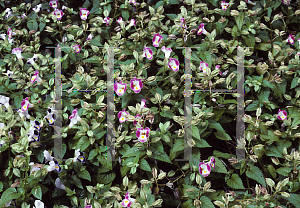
point(150, 41)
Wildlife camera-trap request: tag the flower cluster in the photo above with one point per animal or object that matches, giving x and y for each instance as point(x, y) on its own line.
point(135, 84)
point(141, 133)
point(205, 168)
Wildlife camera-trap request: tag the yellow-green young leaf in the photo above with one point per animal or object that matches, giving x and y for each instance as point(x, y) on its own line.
point(235, 182)
point(90, 189)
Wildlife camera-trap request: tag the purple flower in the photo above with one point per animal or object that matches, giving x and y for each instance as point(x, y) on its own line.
point(84, 13)
point(132, 22)
point(120, 88)
point(120, 20)
point(143, 103)
point(157, 38)
point(17, 52)
point(286, 2)
point(53, 4)
point(74, 118)
point(128, 200)
point(122, 115)
point(143, 134)
point(290, 39)
point(133, 2)
point(36, 77)
point(282, 114)
point(106, 20)
point(136, 85)
point(173, 64)
point(59, 14)
point(201, 29)
point(203, 66)
point(212, 162)
point(147, 52)
point(77, 48)
point(224, 5)
point(25, 104)
point(167, 51)
point(90, 36)
point(204, 169)
point(183, 24)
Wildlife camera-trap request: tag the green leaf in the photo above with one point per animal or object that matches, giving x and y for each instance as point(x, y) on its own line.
point(83, 143)
point(167, 114)
point(206, 56)
point(294, 82)
point(219, 167)
point(42, 26)
point(285, 171)
point(202, 143)
point(161, 156)
point(215, 125)
point(47, 40)
point(144, 165)
point(235, 182)
point(264, 46)
point(1, 186)
point(256, 174)
point(273, 151)
point(37, 192)
point(198, 96)
point(234, 31)
point(158, 4)
point(106, 178)
point(18, 100)
point(174, 1)
point(32, 25)
point(8, 195)
point(222, 154)
point(75, 180)
point(85, 175)
point(239, 20)
point(294, 199)
point(222, 135)
point(125, 15)
point(206, 202)
point(93, 153)
point(253, 106)
point(196, 133)
point(125, 100)
point(72, 56)
point(250, 40)
point(86, 4)
point(133, 151)
point(171, 16)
